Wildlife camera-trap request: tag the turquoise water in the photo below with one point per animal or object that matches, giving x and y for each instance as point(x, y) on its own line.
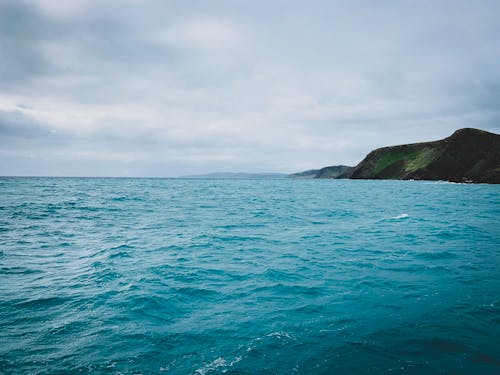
point(126, 276)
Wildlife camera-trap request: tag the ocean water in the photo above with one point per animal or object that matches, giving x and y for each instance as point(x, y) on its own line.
point(129, 276)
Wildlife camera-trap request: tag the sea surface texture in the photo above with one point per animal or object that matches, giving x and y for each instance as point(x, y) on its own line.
point(129, 276)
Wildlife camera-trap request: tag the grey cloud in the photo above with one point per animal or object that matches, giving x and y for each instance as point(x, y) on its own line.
point(14, 124)
point(22, 29)
point(21, 135)
point(174, 87)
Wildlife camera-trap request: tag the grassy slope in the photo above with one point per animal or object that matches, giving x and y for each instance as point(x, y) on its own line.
point(410, 159)
point(397, 161)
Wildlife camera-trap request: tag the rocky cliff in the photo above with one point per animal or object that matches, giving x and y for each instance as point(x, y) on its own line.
point(468, 155)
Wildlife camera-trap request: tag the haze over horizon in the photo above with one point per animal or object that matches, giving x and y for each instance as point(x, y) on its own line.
point(147, 88)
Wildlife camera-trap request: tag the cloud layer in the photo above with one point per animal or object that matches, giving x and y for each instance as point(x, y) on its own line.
point(148, 88)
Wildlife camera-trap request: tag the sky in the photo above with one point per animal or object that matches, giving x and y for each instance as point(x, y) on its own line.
point(167, 88)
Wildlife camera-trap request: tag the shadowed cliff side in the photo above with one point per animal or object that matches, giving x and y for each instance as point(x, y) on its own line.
point(468, 155)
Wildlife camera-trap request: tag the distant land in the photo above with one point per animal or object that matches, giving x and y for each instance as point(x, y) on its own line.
point(468, 155)
point(334, 171)
point(235, 175)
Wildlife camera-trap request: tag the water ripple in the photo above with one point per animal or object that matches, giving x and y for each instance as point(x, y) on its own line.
point(284, 276)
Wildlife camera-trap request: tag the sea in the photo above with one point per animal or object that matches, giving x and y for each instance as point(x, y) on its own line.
point(248, 276)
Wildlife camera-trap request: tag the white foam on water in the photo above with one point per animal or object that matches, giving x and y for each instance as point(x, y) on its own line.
point(402, 216)
point(279, 335)
point(217, 365)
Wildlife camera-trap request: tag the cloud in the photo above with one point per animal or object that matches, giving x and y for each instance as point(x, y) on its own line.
point(22, 29)
point(165, 88)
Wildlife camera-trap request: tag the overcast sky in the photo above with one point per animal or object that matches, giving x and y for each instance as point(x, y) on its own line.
point(165, 88)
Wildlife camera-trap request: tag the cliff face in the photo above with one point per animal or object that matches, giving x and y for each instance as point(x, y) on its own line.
point(468, 155)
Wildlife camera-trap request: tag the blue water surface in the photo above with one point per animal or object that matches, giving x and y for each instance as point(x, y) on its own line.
point(128, 276)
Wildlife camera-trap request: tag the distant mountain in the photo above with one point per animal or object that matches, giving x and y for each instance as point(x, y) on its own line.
point(334, 171)
point(311, 173)
point(235, 175)
point(468, 155)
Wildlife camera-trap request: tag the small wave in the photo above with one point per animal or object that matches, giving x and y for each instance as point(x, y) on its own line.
point(280, 335)
point(42, 302)
point(119, 199)
point(437, 255)
point(120, 254)
point(195, 292)
point(277, 339)
point(217, 365)
point(18, 271)
point(121, 247)
point(280, 276)
point(120, 251)
point(280, 289)
point(402, 216)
